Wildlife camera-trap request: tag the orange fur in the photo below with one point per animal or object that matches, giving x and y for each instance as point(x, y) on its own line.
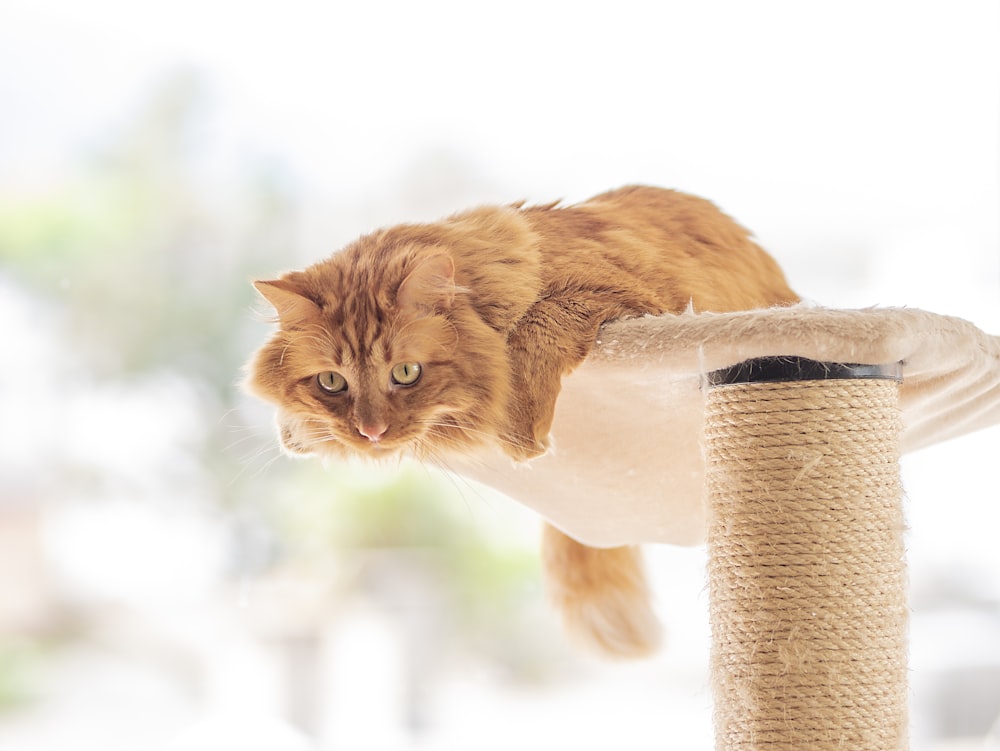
point(495, 305)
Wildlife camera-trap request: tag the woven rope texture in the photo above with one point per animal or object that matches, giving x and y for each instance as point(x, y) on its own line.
point(806, 566)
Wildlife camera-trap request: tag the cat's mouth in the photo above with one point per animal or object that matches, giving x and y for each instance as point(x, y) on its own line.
point(306, 439)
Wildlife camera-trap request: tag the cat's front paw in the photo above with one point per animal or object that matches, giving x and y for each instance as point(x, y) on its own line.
point(522, 446)
point(528, 430)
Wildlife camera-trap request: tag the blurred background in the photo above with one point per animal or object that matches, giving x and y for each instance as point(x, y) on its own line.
point(170, 582)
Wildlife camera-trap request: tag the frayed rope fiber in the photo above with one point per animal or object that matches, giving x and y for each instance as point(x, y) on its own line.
point(807, 577)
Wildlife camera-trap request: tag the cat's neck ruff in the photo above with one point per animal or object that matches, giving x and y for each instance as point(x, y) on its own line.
point(627, 464)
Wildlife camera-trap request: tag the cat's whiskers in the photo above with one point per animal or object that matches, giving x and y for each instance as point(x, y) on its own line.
point(428, 455)
point(261, 443)
point(277, 454)
point(239, 442)
point(485, 435)
point(310, 432)
point(225, 416)
point(252, 459)
point(251, 434)
point(315, 437)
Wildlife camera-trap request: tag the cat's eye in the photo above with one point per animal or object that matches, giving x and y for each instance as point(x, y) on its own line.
point(406, 373)
point(332, 383)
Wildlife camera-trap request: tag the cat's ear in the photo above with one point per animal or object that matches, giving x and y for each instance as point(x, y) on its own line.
point(291, 305)
point(431, 284)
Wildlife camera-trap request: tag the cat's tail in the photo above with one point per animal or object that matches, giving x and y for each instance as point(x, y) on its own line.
point(602, 595)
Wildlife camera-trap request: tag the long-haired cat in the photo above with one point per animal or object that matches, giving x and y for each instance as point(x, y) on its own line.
point(430, 339)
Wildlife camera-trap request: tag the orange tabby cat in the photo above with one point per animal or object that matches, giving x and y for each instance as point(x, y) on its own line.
point(429, 339)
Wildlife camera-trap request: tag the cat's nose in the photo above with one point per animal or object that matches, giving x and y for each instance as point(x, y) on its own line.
point(373, 431)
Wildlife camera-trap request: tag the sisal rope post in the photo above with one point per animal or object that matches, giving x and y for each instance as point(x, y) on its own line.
point(807, 578)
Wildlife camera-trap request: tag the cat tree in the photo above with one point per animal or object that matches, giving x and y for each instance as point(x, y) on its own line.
point(775, 434)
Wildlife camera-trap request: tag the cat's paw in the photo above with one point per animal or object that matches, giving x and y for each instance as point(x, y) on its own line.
point(525, 439)
point(522, 448)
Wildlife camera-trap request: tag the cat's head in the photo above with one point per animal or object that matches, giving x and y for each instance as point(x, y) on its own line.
point(380, 353)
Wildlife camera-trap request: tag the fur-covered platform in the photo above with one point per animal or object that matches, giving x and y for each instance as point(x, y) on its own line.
point(627, 465)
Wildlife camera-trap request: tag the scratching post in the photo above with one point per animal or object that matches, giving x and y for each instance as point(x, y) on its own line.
point(799, 467)
point(806, 570)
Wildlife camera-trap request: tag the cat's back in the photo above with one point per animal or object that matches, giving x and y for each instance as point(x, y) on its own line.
point(682, 247)
point(658, 212)
point(658, 220)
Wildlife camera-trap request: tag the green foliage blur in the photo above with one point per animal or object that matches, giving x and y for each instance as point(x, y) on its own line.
point(149, 258)
point(144, 251)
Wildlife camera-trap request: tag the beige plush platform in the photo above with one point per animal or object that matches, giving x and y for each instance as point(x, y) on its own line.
point(627, 465)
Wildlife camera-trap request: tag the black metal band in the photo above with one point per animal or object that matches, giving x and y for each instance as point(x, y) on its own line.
point(784, 369)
